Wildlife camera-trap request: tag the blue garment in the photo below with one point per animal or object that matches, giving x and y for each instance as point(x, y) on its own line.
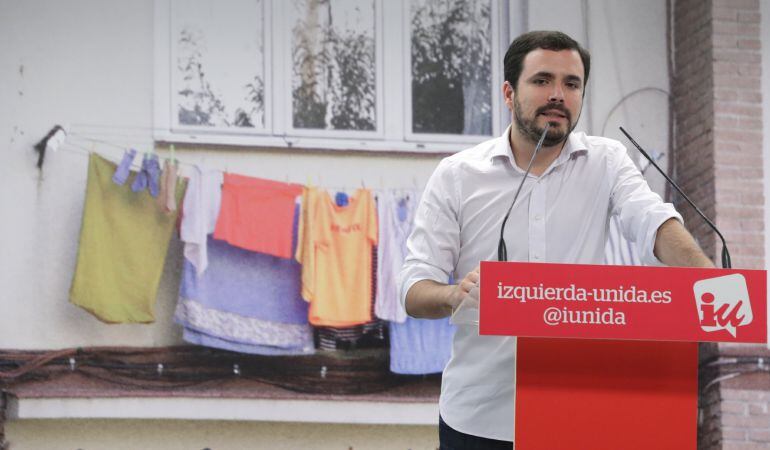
point(149, 176)
point(243, 282)
point(124, 169)
point(245, 300)
point(420, 346)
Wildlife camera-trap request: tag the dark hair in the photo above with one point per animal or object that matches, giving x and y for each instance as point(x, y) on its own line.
point(547, 40)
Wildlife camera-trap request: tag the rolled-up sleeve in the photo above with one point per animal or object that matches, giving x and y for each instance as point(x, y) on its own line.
point(434, 244)
point(640, 210)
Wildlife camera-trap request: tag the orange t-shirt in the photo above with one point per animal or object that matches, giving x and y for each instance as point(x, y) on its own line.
point(336, 254)
point(257, 214)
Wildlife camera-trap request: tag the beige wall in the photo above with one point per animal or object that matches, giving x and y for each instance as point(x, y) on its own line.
point(91, 62)
point(215, 435)
point(85, 63)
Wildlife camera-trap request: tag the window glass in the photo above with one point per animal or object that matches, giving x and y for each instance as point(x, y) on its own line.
point(218, 64)
point(450, 66)
point(333, 77)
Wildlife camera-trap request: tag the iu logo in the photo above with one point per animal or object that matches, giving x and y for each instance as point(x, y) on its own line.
point(723, 303)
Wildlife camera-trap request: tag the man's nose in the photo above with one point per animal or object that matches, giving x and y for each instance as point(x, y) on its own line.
point(556, 95)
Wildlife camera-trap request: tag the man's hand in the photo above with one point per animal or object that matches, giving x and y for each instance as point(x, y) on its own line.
point(465, 287)
point(467, 311)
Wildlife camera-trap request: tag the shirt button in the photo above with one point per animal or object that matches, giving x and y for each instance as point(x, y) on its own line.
point(538, 217)
point(536, 257)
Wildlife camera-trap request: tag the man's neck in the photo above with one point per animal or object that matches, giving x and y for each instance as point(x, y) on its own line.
point(523, 148)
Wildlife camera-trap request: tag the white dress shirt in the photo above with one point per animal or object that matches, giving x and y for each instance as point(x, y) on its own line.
point(561, 216)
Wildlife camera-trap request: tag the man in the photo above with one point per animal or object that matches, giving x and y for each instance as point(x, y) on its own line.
point(575, 185)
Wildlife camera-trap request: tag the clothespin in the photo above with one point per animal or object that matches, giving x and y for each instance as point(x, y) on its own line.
point(173, 154)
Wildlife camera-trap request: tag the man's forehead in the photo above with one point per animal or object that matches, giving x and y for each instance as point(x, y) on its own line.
point(557, 62)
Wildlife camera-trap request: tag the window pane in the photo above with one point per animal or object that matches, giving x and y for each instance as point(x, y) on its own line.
point(218, 79)
point(333, 64)
point(451, 63)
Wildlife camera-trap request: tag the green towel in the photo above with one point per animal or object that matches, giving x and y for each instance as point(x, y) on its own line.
point(123, 243)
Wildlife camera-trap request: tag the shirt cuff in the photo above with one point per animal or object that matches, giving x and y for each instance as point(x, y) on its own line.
point(411, 273)
point(653, 221)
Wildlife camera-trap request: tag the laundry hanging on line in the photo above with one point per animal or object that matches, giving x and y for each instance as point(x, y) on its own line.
point(337, 219)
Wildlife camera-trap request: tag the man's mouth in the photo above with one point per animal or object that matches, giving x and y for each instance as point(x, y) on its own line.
point(554, 114)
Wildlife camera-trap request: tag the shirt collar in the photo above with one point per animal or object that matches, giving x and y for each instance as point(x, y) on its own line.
point(503, 146)
point(576, 144)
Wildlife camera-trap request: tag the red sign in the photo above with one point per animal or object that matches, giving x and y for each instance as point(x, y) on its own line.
point(623, 302)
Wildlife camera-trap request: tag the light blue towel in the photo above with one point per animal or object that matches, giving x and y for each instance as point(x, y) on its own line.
point(420, 346)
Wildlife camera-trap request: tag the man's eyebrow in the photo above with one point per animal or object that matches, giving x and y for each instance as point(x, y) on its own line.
point(542, 74)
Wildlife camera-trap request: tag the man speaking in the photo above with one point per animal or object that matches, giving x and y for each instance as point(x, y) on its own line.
point(575, 184)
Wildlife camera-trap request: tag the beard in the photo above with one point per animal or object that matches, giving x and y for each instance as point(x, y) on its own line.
point(529, 128)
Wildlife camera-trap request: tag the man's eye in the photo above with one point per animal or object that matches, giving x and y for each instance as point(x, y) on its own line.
point(540, 81)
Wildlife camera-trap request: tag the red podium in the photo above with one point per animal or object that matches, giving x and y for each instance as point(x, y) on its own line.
point(607, 356)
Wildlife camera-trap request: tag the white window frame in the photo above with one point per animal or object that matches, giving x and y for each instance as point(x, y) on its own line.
point(393, 56)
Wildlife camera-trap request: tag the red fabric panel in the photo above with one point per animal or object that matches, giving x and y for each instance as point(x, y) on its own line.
point(257, 214)
point(601, 394)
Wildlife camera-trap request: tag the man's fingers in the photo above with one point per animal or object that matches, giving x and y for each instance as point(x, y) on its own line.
point(474, 295)
point(470, 281)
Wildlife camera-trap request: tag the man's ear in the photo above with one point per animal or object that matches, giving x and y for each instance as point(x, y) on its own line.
point(508, 94)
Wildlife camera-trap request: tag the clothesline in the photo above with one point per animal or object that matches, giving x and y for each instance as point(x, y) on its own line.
point(85, 150)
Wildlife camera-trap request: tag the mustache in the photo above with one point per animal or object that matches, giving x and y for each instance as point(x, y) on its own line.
point(556, 107)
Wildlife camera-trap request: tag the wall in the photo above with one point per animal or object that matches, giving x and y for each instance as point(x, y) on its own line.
point(719, 120)
point(88, 62)
point(92, 64)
